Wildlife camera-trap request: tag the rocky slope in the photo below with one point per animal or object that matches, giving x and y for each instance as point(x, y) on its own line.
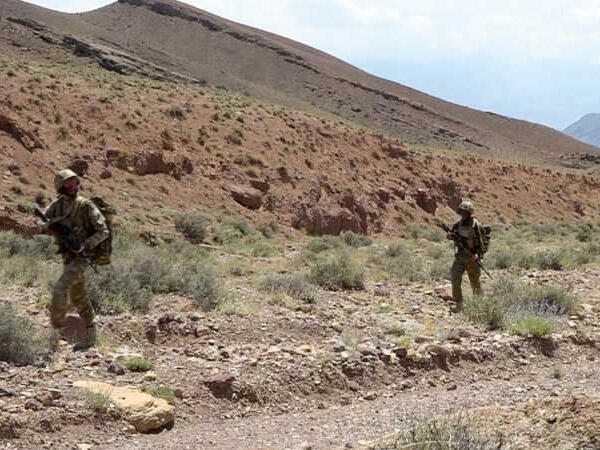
point(155, 148)
point(167, 39)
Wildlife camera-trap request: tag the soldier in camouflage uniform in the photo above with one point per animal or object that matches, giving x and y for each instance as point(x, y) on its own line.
point(90, 229)
point(466, 259)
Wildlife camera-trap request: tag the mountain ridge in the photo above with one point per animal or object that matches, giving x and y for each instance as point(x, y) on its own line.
point(205, 47)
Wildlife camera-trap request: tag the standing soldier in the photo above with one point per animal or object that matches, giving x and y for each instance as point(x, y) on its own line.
point(468, 251)
point(89, 229)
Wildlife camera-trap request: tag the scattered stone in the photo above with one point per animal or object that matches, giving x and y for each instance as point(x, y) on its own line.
point(371, 395)
point(32, 405)
point(117, 369)
point(178, 393)
point(221, 386)
point(149, 376)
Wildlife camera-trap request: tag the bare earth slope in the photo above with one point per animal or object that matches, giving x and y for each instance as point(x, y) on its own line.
point(188, 41)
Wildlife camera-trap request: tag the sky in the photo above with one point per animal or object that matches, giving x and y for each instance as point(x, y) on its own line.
point(537, 60)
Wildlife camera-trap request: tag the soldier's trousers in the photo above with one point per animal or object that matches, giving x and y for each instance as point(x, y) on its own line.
point(460, 266)
point(71, 285)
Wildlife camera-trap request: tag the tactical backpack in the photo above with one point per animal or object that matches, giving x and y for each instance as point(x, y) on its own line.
point(103, 251)
point(486, 237)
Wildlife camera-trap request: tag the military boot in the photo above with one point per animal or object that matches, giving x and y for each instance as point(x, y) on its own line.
point(88, 341)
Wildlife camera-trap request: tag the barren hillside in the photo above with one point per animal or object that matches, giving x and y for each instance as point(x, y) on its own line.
point(164, 38)
point(156, 148)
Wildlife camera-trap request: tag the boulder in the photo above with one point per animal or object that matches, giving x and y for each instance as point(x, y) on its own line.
point(322, 220)
point(144, 412)
point(425, 200)
point(25, 137)
point(246, 196)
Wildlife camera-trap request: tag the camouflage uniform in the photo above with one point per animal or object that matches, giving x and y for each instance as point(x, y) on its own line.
point(90, 229)
point(469, 230)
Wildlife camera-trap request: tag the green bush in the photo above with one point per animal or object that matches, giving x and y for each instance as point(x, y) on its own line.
point(165, 392)
point(337, 271)
point(262, 249)
point(550, 259)
point(511, 301)
point(138, 271)
point(12, 244)
point(403, 265)
point(21, 342)
point(192, 226)
point(533, 325)
point(427, 232)
point(584, 233)
point(137, 364)
point(295, 285)
point(355, 240)
point(321, 244)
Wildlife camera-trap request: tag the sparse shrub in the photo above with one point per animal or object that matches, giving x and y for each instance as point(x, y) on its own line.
point(20, 342)
point(264, 249)
point(402, 264)
point(98, 401)
point(268, 230)
point(62, 134)
point(176, 112)
point(231, 231)
point(511, 301)
point(584, 233)
point(199, 283)
point(12, 244)
point(321, 244)
point(295, 285)
point(165, 392)
point(355, 240)
point(236, 137)
point(16, 190)
point(455, 432)
point(192, 226)
point(116, 289)
point(421, 231)
point(556, 373)
point(337, 272)
point(552, 259)
point(533, 325)
point(137, 364)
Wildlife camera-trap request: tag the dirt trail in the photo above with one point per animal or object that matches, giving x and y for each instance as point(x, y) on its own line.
point(343, 426)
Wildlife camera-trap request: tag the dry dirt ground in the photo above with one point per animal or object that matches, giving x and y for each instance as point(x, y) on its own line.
point(326, 375)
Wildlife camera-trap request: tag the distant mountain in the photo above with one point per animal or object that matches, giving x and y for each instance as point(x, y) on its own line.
point(586, 129)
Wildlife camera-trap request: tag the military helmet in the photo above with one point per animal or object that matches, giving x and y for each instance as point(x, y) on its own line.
point(62, 176)
point(466, 206)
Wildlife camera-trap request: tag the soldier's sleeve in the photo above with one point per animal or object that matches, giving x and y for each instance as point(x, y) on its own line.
point(98, 222)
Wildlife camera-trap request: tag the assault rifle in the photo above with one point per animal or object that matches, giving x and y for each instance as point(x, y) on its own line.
point(66, 237)
point(460, 242)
